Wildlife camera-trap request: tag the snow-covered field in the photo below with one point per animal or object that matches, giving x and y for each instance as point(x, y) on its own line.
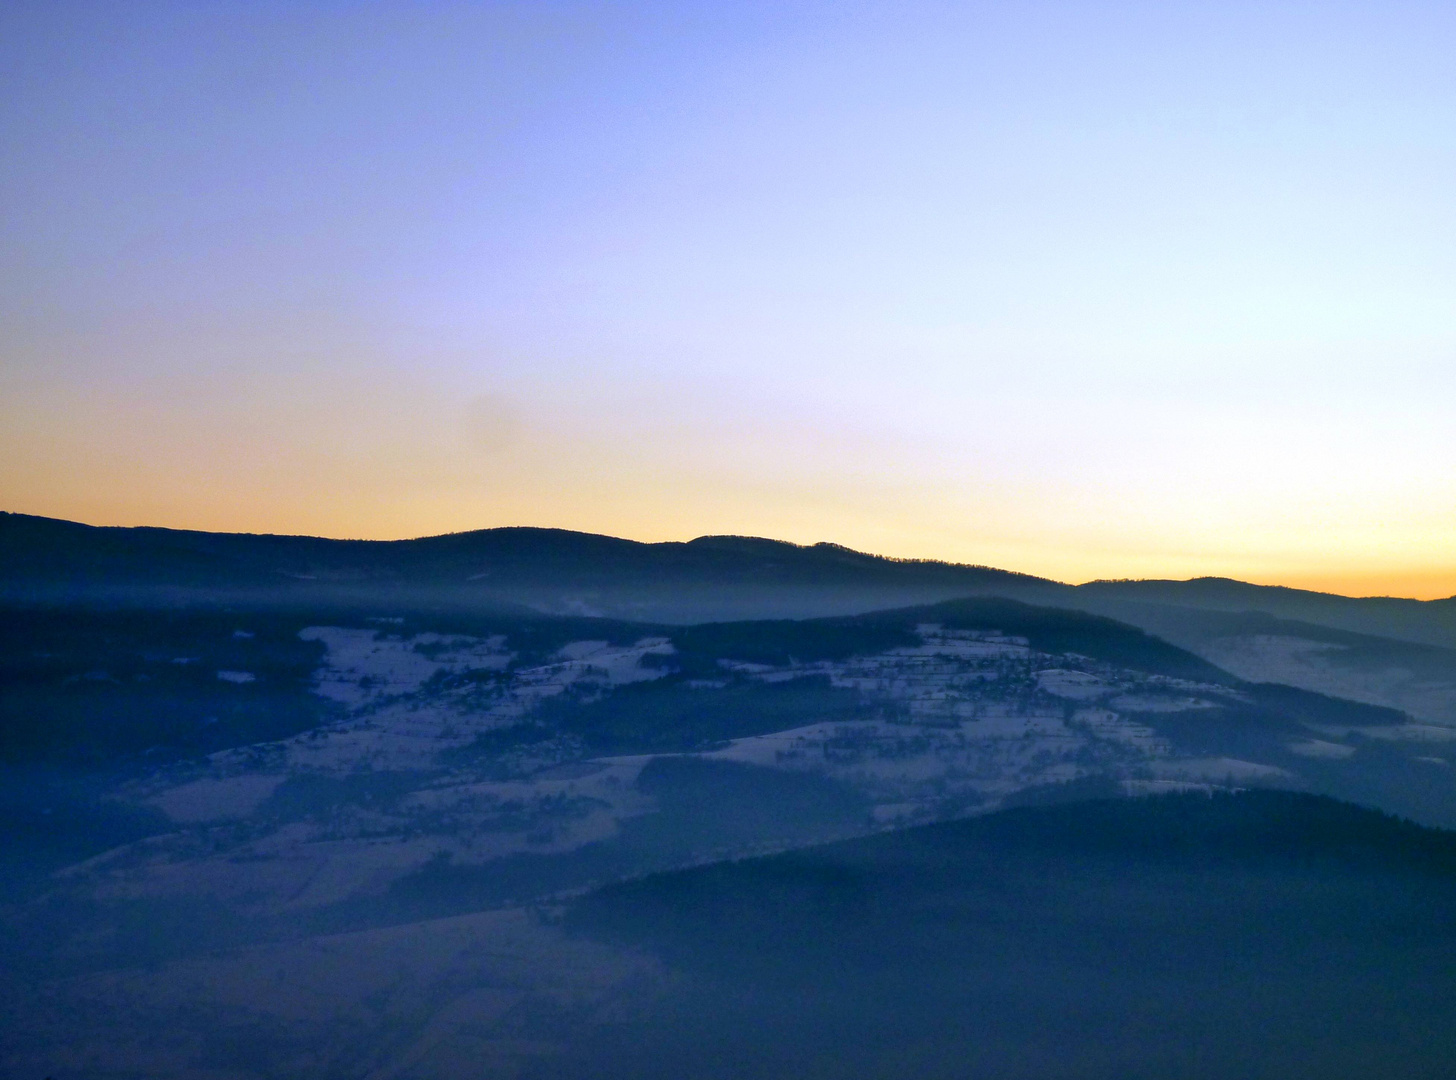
point(442, 753)
point(963, 720)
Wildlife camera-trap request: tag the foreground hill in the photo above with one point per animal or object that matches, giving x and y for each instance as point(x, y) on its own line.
point(1250, 935)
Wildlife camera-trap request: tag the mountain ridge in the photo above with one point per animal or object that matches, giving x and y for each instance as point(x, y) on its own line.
point(1096, 939)
point(14, 526)
point(709, 578)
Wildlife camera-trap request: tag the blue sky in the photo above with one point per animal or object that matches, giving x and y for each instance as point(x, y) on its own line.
point(1079, 289)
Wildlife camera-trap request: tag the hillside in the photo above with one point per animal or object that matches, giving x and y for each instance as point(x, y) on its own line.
point(1383, 651)
point(1250, 935)
point(561, 572)
point(712, 578)
point(195, 798)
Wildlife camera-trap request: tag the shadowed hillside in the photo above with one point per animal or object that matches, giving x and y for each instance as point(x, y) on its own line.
point(1255, 935)
point(712, 577)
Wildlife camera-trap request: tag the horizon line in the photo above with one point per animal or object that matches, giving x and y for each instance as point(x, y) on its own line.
point(740, 536)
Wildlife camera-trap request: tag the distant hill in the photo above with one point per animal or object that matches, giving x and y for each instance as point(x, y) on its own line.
point(100, 687)
point(1047, 629)
point(1403, 657)
point(554, 570)
point(1431, 622)
point(711, 578)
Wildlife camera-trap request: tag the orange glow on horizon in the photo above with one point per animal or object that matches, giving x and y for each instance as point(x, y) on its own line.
point(1397, 582)
point(802, 272)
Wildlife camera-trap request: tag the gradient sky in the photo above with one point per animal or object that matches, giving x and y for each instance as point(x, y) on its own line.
point(1080, 289)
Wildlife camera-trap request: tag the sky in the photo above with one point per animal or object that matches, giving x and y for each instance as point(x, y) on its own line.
point(1084, 290)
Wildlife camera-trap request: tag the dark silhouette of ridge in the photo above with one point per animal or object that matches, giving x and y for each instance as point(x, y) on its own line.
point(555, 570)
point(39, 547)
point(558, 571)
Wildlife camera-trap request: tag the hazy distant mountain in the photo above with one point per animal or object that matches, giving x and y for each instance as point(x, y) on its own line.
point(1416, 678)
point(1320, 642)
point(1432, 622)
point(712, 578)
point(553, 570)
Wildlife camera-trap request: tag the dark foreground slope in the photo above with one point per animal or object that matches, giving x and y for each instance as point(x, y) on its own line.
point(1263, 934)
point(1250, 936)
